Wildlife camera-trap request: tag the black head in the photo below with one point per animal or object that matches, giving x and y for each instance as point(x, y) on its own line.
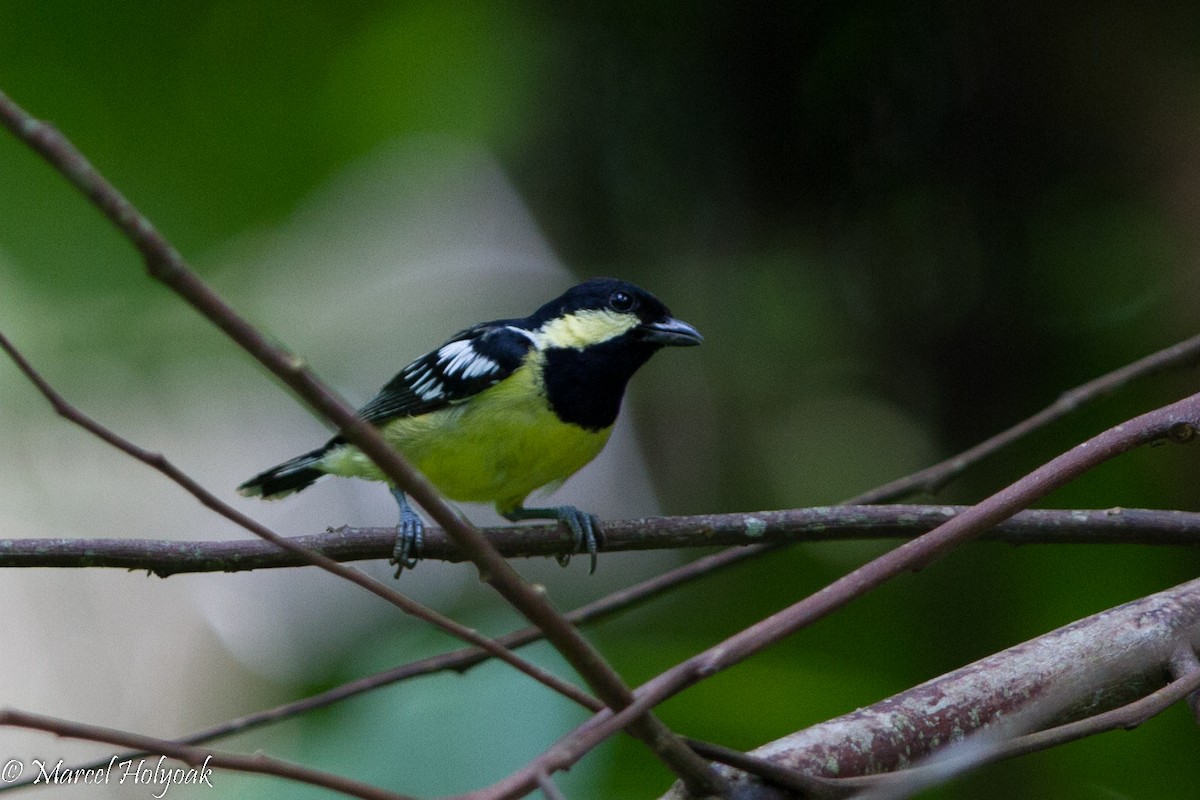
point(595, 337)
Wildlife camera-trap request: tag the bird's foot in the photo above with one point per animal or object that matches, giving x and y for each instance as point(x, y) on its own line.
point(410, 535)
point(584, 527)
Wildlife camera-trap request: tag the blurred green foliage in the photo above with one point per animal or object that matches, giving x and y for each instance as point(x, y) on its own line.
point(901, 227)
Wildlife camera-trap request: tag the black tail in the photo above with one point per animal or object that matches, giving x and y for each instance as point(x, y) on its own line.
point(283, 479)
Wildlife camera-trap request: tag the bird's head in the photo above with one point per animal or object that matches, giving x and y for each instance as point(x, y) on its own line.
point(604, 309)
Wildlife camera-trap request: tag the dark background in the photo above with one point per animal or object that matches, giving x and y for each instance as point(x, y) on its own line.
point(901, 228)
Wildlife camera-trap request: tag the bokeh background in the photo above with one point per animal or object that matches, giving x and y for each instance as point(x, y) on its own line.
point(901, 228)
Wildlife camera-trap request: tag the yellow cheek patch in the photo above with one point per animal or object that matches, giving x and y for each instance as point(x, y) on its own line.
point(584, 328)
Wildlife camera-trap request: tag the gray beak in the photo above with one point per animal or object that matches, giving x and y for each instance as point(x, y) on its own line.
point(670, 332)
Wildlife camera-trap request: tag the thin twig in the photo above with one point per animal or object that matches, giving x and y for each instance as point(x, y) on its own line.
point(1185, 664)
point(1176, 422)
point(165, 264)
point(810, 787)
point(195, 757)
point(1110, 526)
point(834, 523)
point(930, 479)
point(549, 790)
point(1126, 717)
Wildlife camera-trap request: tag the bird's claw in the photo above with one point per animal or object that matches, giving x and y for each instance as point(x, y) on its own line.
point(410, 536)
point(584, 528)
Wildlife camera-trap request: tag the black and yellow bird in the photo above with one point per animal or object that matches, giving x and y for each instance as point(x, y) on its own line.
point(505, 407)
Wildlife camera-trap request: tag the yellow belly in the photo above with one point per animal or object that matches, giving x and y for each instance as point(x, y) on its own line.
point(497, 448)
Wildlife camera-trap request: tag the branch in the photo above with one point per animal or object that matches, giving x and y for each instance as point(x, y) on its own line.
point(165, 264)
point(196, 757)
point(1080, 678)
point(836, 523)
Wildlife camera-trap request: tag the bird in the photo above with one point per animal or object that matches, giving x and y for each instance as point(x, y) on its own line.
point(504, 408)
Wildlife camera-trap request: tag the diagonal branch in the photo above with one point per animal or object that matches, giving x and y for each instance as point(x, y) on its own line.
point(1185, 665)
point(1176, 422)
point(933, 478)
point(166, 265)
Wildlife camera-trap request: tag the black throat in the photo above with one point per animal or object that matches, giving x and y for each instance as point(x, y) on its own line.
point(585, 387)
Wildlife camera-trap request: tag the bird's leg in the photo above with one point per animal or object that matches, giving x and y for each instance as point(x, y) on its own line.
point(584, 528)
point(409, 536)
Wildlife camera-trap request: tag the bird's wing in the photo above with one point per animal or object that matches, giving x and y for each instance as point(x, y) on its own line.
point(465, 365)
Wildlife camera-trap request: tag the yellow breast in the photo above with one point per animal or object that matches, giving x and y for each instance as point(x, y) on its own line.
point(497, 447)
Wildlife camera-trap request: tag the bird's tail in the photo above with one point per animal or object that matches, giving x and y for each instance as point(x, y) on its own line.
point(283, 479)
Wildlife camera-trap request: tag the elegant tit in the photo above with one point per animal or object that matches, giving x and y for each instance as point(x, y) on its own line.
point(505, 407)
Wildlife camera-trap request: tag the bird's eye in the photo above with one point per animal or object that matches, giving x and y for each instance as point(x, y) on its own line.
point(621, 301)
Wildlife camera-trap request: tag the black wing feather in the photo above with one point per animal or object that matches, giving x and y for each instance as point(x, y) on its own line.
point(469, 362)
point(465, 365)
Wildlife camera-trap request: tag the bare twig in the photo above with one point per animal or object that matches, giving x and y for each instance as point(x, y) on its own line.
point(197, 757)
point(1125, 717)
point(930, 479)
point(549, 790)
point(166, 265)
point(1186, 664)
point(810, 787)
point(1176, 422)
point(834, 523)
